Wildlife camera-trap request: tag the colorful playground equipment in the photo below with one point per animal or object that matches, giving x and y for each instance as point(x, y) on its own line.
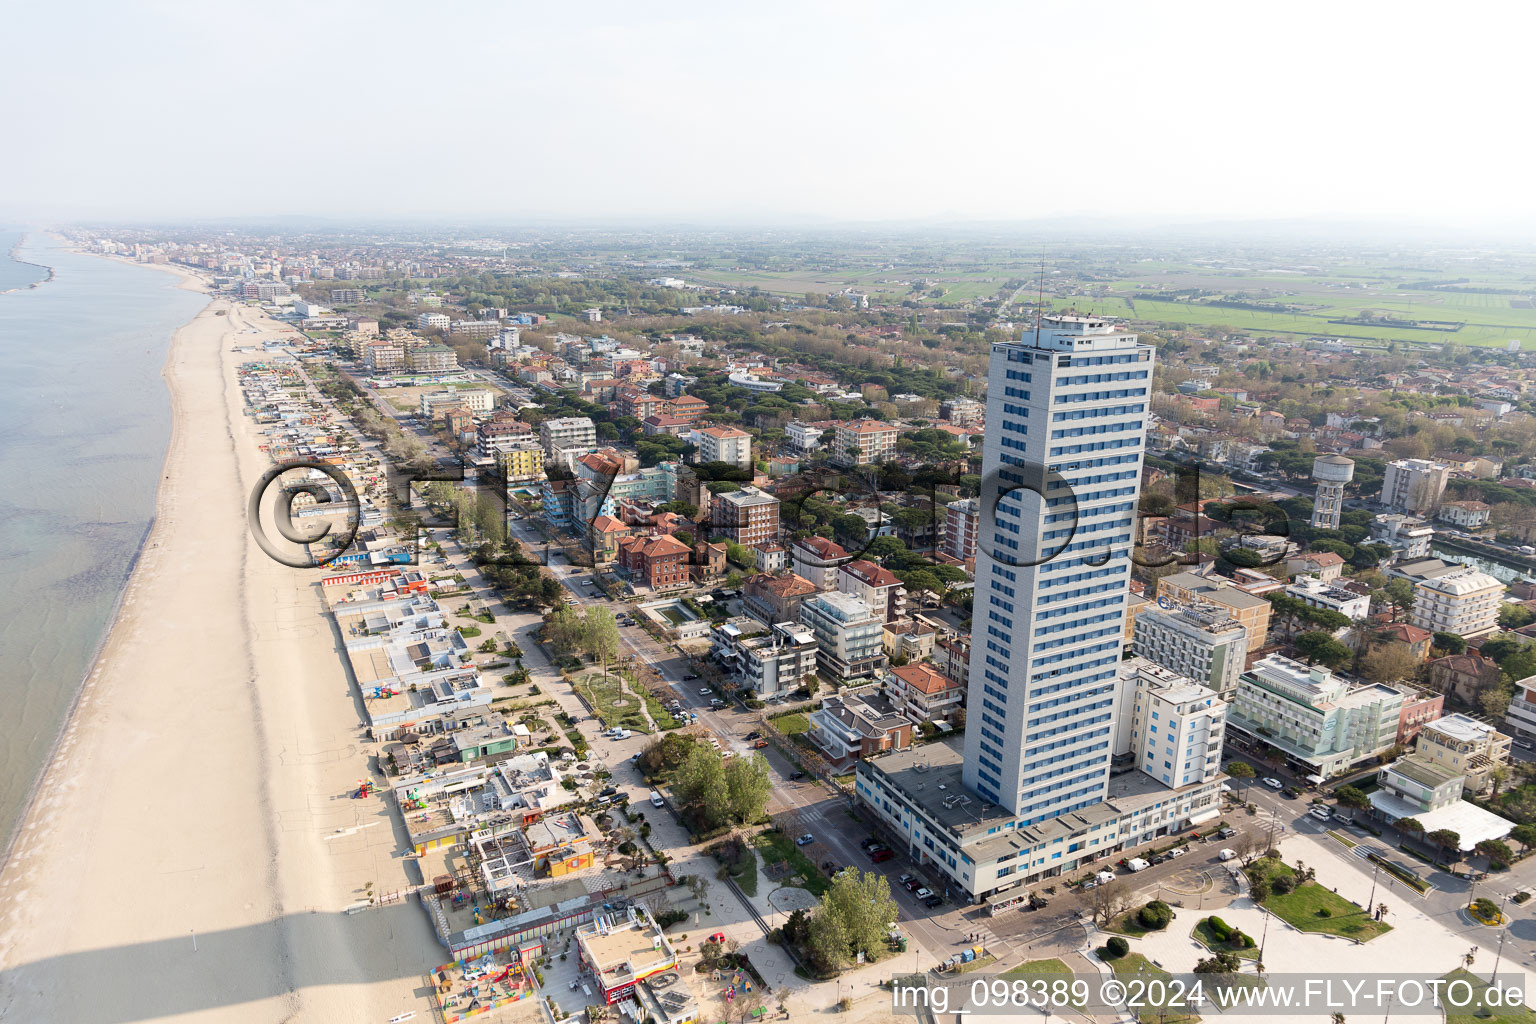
point(380, 692)
point(364, 789)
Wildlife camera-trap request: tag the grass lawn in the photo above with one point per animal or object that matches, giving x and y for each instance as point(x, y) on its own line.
point(777, 846)
point(1051, 966)
point(745, 874)
point(1132, 964)
point(1126, 924)
point(660, 715)
point(1202, 934)
point(615, 707)
point(1300, 907)
point(791, 724)
point(1349, 844)
point(1496, 1014)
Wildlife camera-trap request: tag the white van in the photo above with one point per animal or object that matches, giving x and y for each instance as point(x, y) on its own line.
point(656, 800)
point(1136, 864)
point(1226, 855)
point(1105, 877)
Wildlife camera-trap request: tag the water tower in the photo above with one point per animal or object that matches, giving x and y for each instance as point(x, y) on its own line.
point(1331, 472)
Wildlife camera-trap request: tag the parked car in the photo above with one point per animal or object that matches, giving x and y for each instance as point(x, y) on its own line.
point(1273, 783)
point(754, 734)
point(1291, 792)
point(1226, 855)
point(923, 893)
point(1320, 813)
point(933, 900)
point(1226, 833)
point(716, 702)
point(805, 840)
point(1178, 851)
point(905, 878)
point(705, 691)
point(690, 675)
point(609, 791)
point(871, 842)
point(797, 775)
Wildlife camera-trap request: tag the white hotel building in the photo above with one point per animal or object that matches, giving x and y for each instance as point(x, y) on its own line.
point(1032, 797)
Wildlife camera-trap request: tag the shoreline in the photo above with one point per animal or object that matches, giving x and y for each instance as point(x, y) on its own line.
point(14, 258)
point(27, 807)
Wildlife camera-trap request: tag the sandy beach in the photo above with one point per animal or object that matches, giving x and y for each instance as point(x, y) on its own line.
point(193, 843)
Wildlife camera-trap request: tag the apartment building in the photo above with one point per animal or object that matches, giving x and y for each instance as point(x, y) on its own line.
point(433, 321)
point(962, 522)
point(1465, 601)
point(776, 598)
point(856, 724)
point(432, 359)
point(1252, 613)
point(477, 400)
point(1414, 485)
point(384, 356)
point(1322, 724)
point(923, 694)
point(1317, 594)
point(1202, 642)
point(520, 463)
point(725, 444)
point(499, 435)
point(850, 635)
point(567, 432)
point(1409, 536)
point(767, 661)
point(1176, 727)
point(859, 442)
point(817, 559)
point(747, 516)
point(875, 586)
point(1468, 515)
point(1465, 746)
point(659, 562)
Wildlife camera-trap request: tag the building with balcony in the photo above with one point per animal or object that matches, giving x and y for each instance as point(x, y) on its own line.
point(1201, 642)
point(817, 559)
point(725, 444)
point(620, 952)
point(1414, 486)
point(1321, 723)
point(923, 694)
point(1252, 613)
point(776, 598)
point(521, 463)
point(433, 321)
point(767, 661)
point(1468, 515)
point(1430, 792)
point(747, 516)
point(432, 359)
point(856, 724)
point(875, 586)
point(850, 635)
point(1409, 536)
point(1465, 601)
point(1462, 744)
point(568, 432)
point(1314, 593)
point(962, 521)
point(859, 442)
point(1176, 726)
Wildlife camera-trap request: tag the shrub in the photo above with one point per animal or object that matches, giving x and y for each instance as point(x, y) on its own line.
point(1117, 947)
point(1248, 942)
point(1281, 884)
point(1155, 915)
point(1235, 940)
point(1324, 912)
point(1219, 928)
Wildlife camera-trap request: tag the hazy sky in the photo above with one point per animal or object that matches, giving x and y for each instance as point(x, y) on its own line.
point(725, 111)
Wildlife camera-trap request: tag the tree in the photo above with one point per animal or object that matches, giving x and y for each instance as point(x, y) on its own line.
point(1410, 826)
point(1246, 846)
point(1354, 799)
point(564, 630)
point(1389, 662)
point(1243, 771)
point(1449, 842)
point(1259, 889)
point(1116, 947)
point(1400, 595)
point(1494, 702)
point(1498, 775)
point(1498, 854)
point(701, 788)
point(1320, 646)
point(852, 917)
point(1450, 643)
point(1501, 648)
point(600, 636)
point(748, 783)
point(1108, 900)
point(1513, 616)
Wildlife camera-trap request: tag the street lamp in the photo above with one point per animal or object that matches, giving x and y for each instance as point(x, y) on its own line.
point(1370, 904)
point(1265, 935)
point(1502, 935)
